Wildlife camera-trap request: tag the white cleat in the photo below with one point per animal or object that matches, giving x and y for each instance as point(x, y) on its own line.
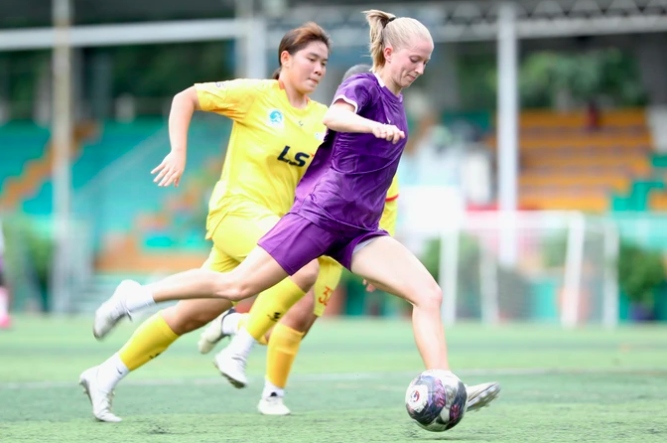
point(100, 400)
point(232, 367)
point(212, 334)
point(113, 310)
point(273, 405)
point(481, 395)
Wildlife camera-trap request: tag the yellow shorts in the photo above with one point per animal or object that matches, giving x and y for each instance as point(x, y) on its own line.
point(389, 215)
point(236, 236)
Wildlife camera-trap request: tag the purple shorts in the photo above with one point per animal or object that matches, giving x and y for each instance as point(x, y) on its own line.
point(295, 241)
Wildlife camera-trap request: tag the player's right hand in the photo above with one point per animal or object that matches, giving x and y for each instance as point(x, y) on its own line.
point(388, 132)
point(170, 170)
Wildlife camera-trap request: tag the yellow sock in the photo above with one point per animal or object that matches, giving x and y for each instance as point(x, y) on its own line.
point(244, 321)
point(150, 339)
point(283, 347)
point(270, 306)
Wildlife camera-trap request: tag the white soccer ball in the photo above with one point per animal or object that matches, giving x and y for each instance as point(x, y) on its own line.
point(436, 400)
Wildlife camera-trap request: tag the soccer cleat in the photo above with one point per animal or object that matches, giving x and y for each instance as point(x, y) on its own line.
point(232, 367)
point(212, 334)
point(273, 405)
point(481, 395)
point(100, 400)
point(113, 310)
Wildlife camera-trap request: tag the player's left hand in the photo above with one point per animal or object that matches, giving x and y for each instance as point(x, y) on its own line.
point(170, 170)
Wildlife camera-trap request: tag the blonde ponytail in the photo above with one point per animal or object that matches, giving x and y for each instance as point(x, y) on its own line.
point(388, 30)
point(378, 21)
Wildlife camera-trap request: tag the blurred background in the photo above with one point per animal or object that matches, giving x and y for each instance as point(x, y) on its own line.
point(533, 185)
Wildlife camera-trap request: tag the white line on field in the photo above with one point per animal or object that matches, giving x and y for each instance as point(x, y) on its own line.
point(353, 376)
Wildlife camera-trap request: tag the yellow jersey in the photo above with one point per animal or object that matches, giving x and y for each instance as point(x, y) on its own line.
point(392, 193)
point(271, 145)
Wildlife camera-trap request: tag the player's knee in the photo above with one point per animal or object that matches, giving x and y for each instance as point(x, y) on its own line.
point(236, 288)
point(182, 323)
point(299, 323)
point(305, 306)
point(306, 276)
point(430, 296)
point(299, 316)
point(241, 289)
point(238, 293)
point(193, 323)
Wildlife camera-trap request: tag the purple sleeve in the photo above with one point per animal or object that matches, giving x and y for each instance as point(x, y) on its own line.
point(357, 91)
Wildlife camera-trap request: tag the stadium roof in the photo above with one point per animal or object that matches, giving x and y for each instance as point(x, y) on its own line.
point(452, 20)
point(477, 19)
point(32, 13)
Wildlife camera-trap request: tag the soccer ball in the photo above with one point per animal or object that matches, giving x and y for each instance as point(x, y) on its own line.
point(436, 400)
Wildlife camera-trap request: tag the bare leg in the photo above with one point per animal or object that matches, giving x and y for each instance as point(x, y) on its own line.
point(268, 308)
point(150, 339)
point(392, 267)
point(283, 348)
point(188, 315)
point(259, 271)
point(300, 317)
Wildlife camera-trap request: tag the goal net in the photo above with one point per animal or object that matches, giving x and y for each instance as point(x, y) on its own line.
point(547, 267)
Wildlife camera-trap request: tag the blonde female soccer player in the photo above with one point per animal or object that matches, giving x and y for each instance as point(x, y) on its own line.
point(276, 130)
point(285, 338)
point(338, 203)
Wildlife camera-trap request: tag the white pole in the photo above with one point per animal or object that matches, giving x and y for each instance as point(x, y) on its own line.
point(448, 272)
point(244, 10)
point(611, 248)
point(173, 31)
point(488, 274)
point(256, 48)
point(573, 266)
point(507, 131)
point(61, 142)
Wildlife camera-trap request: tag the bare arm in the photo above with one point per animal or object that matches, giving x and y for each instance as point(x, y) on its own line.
point(183, 106)
point(340, 117)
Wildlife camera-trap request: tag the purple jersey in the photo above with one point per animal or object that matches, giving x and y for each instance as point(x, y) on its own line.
point(346, 185)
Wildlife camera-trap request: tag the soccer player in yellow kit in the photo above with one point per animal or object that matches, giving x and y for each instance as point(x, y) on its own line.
point(276, 131)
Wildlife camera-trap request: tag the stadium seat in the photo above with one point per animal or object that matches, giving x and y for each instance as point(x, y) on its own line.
point(565, 165)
